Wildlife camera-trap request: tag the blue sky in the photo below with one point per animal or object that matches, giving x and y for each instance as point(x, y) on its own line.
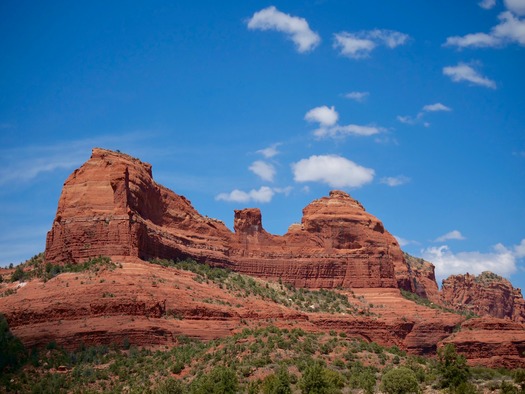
point(414, 108)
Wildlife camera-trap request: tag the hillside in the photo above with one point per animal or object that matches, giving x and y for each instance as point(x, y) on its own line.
point(170, 271)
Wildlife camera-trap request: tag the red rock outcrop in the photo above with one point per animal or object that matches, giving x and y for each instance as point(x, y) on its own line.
point(491, 342)
point(487, 294)
point(419, 278)
point(149, 305)
point(111, 206)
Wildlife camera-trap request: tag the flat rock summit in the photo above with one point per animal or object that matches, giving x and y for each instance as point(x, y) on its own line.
point(111, 206)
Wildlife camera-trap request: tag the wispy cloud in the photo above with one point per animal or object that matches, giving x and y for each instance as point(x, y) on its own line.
point(327, 118)
point(454, 234)
point(336, 171)
point(464, 72)
point(404, 242)
point(487, 4)
point(18, 165)
point(351, 129)
point(264, 194)
point(360, 44)
point(412, 120)
point(511, 29)
point(270, 151)
point(296, 28)
point(437, 107)
point(357, 96)
point(264, 170)
point(394, 181)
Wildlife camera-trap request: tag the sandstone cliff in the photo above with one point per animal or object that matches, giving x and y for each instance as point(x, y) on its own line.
point(420, 278)
point(112, 206)
point(487, 294)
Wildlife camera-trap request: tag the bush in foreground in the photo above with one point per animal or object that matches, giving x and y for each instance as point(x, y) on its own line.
point(400, 380)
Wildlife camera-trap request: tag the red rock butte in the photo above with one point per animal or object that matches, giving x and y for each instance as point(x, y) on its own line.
point(112, 206)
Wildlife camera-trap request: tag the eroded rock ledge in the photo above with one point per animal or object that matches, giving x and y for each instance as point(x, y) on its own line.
point(112, 206)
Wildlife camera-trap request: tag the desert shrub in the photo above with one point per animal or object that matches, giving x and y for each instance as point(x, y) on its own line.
point(12, 351)
point(400, 380)
point(452, 367)
point(277, 383)
point(508, 388)
point(363, 379)
point(318, 380)
point(464, 388)
point(519, 377)
point(221, 380)
point(19, 274)
point(170, 386)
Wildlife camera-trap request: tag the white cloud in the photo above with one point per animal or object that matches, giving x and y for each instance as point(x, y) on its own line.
point(270, 151)
point(333, 170)
point(473, 40)
point(436, 107)
point(359, 45)
point(357, 96)
point(516, 6)
point(264, 170)
point(519, 250)
point(283, 190)
point(296, 28)
point(327, 119)
point(323, 115)
point(352, 46)
point(487, 4)
point(264, 194)
point(390, 38)
point(454, 234)
point(500, 260)
point(463, 72)
point(395, 180)
point(403, 242)
point(406, 119)
point(351, 129)
point(510, 29)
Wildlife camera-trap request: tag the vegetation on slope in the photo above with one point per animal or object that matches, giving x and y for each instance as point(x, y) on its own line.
point(328, 301)
point(268, 360)
point(426, 302)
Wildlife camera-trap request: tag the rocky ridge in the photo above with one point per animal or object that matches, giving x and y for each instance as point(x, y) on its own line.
point(111, 206)
point(487, 294)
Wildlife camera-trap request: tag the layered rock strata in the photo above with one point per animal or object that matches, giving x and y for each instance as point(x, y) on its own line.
point(112, 206)
point(487, 294)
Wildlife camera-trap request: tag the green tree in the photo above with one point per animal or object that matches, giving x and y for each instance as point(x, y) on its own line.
point(221, 380)
point(19, 274)
point(318, 380)
point(363, 379)
point(508, 388)
point(170, 386)
point(400, 380)
point(277, 383)
point(519, 378)
point(12, 351)
point(452, 367)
